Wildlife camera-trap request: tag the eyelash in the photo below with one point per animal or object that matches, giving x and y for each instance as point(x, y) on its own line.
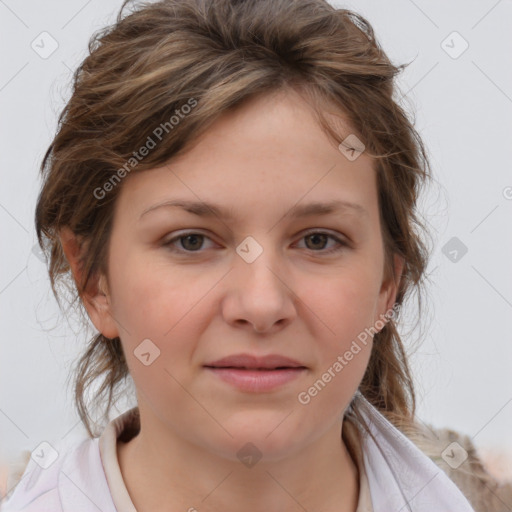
point(342, 244)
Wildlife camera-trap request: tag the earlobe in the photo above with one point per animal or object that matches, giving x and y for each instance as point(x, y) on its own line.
point(100, 309)
point(390, 287)
point(95, 297)
point(399, 263)
point(71, 247)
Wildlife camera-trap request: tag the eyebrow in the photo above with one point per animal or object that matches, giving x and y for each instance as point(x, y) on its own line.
point(204, 209)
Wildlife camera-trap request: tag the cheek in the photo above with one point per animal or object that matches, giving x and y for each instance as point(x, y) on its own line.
point(151, 299)
point(344, 306)
point(343, 310)
point(160, 336)
point(343, 345)
point(170, 309)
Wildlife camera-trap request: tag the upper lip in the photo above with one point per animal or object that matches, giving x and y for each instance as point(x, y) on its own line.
point(270, 361)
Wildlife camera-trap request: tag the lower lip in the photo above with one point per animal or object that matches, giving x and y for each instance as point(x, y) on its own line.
point(257, 380)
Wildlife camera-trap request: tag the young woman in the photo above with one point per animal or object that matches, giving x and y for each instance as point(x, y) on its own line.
point(233, 189)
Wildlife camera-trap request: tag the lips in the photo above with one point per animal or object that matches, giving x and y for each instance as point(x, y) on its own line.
point(250, 362)
point(256, 374)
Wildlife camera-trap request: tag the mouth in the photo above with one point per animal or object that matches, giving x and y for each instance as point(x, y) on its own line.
point(256, 374)
point(252, 368)
point(254, 362)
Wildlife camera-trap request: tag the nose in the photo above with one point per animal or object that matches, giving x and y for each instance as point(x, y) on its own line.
point(259, 295)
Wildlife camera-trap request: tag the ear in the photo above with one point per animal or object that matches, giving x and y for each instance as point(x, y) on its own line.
point(389, 290)
point(96, 297)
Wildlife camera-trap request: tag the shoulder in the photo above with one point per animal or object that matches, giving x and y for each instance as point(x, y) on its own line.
point(31, 483)
point(458, 457)
point(54, 477)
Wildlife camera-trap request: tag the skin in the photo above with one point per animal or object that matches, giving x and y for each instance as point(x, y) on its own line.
point(295, 299)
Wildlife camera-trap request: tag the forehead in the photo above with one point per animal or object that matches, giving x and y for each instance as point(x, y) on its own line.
point(269, 150)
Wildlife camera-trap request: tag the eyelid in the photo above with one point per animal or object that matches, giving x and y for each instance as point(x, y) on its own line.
point(168, 242)
point(341, 237)
point(341, 240)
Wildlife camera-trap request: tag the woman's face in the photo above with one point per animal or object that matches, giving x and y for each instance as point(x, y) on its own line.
point(260, 276)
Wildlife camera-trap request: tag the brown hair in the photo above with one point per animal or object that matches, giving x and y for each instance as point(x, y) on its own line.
point(216, 54)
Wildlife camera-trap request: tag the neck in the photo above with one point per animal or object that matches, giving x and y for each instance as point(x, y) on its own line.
point(174, 474)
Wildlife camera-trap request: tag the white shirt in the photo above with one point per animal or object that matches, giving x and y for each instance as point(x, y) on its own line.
point(394, 475)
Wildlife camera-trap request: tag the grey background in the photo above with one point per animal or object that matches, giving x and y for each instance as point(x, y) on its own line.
point(463, 109)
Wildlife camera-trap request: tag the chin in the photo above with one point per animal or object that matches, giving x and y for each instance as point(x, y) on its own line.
point(270, 438)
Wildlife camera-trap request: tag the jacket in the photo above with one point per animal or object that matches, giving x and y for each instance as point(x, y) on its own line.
point(401, 476)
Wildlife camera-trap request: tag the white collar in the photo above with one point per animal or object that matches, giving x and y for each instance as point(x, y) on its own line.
point(401, 477)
